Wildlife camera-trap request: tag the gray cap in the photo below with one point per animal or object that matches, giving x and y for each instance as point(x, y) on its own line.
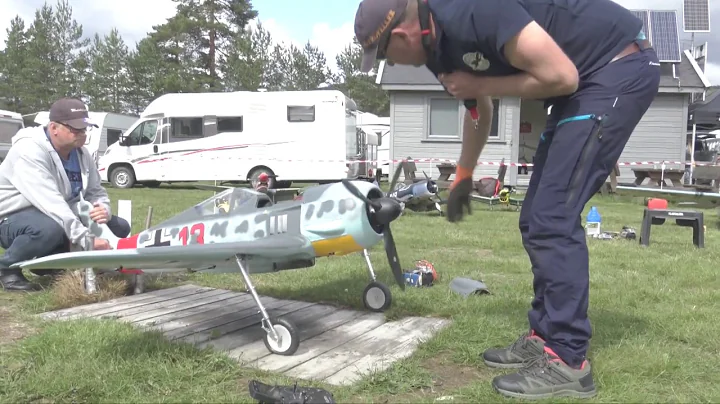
point(374, 21)
point(71, 112)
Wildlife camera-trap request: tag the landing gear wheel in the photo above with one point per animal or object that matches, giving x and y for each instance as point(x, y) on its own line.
point(377, 297)
point(289, 337)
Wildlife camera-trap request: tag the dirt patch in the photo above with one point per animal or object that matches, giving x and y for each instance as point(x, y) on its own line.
point(446, 377)
point(11, 329)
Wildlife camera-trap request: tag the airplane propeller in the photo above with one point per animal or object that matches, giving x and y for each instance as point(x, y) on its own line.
point(383, 211)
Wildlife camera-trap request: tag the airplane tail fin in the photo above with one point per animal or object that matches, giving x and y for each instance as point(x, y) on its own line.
point(99, 230)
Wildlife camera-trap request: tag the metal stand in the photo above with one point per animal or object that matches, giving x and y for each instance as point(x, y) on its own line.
point(138, 280)
point(90, 279)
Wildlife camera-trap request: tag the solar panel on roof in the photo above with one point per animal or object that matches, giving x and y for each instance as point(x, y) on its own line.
point(664, 35)
point(696, 15)
point(643, 15)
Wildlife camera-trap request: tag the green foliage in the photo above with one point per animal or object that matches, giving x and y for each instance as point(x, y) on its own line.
point(208, 45)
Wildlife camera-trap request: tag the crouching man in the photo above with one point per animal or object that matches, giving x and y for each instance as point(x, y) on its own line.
point(41, 179)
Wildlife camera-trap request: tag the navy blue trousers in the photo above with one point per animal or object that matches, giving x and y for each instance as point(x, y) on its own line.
point(30, 233)
point(583, 139)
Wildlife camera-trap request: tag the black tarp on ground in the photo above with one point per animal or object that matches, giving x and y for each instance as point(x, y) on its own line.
point(706, 113)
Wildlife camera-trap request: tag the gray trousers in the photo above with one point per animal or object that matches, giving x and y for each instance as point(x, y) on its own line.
point(29, 234)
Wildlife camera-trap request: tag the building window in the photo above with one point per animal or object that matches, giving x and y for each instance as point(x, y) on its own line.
point(301, 113)
point(445, 119)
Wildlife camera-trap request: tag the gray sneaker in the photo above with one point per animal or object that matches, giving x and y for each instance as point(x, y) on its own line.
point(529, 346)
point(546, 377)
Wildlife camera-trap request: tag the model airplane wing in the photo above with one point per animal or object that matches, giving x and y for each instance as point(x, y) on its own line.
point(188, 256)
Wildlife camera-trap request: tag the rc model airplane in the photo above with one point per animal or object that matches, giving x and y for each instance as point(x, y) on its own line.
point(242, 229)
point(418, 195)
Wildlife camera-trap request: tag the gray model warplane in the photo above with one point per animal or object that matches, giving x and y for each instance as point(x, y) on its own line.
point(242, 230)
point(417, 196)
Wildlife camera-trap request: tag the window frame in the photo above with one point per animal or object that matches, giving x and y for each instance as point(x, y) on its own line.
point(290, 115)
point(495, 135)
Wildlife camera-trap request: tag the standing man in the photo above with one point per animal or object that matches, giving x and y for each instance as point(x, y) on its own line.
point(41, 179)
point(589, 60)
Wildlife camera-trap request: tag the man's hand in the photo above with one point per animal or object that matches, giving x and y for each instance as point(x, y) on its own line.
point(459, 197)
point(461, 85)
point(99, 214)
point(101, 244)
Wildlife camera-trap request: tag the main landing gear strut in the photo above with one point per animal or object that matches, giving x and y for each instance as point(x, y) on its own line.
point(281, 335)
point(376, 296)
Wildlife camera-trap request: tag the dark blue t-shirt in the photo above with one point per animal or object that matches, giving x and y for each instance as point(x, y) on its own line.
point(471, 34)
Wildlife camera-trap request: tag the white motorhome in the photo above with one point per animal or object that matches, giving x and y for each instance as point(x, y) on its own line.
point(10, 124)
point(110, 127)
point(301, 136)
point(380, 127)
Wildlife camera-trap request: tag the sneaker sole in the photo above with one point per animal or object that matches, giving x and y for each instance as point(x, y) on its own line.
point(559, 393)
point(499, 365)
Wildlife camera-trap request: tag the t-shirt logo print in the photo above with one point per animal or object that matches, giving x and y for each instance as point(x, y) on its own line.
point(476, 61)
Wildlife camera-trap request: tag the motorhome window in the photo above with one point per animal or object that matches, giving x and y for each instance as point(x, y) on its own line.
point(301, 113)
point(113, 135)
point(8, 129)
point(186, 127)
point(149, 130)
point(230, 124)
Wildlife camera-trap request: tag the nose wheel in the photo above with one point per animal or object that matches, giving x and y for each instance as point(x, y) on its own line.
point(286, 339)
point(376, 296)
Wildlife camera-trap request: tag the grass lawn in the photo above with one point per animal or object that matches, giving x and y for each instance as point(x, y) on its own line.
point(654, 312)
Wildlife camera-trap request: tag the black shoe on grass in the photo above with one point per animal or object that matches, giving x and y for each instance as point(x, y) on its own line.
point(528, 347)
point(547, 377)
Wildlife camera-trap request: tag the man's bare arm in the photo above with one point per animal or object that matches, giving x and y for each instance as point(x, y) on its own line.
point(474, 139)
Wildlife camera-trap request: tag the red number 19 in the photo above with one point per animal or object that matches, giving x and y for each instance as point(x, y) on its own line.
point(197, 229)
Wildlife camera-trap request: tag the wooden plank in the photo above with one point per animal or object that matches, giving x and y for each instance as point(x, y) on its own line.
point(302, 317)
point(380, 360)
point(380, 339)
point(108, 309)
point(257, 349)
point(156, 323)
point(59, 314)
point(249, 318)
point(130, 309)
point(213, 318)
point(209, 297)
point(317, 345)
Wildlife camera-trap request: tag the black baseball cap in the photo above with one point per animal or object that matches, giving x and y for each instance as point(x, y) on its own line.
point(71, 112)
point(374, 22)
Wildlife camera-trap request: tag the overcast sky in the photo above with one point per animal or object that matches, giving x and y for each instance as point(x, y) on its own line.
point(326, 23)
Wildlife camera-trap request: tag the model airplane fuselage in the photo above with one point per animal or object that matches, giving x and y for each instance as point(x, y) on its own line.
point(421, 189)
point(325, 220)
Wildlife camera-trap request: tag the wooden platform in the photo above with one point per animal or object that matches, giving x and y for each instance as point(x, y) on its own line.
point(337, 346)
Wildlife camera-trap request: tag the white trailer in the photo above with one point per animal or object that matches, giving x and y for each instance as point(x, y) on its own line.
point(379, 126)
point(10, 124)
point(301, 136)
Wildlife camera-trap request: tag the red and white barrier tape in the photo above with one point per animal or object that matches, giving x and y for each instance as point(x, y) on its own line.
point(415, 160)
